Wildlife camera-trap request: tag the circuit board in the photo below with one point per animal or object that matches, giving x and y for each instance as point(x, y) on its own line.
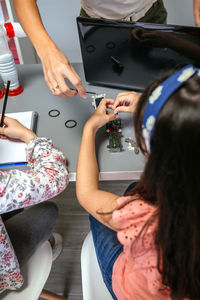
point(113, 128)
point(97, 99)
point(114, 131)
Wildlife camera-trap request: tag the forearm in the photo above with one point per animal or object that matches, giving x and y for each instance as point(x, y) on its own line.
point(47, 178)
point(94, 201)
point(28, 14)
point(196, 10)
point(87, 168)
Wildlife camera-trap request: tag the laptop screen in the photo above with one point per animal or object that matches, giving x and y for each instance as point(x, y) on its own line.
point(130, 55)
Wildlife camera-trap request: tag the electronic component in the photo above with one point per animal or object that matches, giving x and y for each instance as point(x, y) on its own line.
point(114, 131)
point(117, 66)
point(113, 128)
point(132, 145)
point(97, 99)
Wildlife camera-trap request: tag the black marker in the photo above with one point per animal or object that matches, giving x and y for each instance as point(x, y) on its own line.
point(5, 103)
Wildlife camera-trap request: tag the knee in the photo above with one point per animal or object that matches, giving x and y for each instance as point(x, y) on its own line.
point(50, 209)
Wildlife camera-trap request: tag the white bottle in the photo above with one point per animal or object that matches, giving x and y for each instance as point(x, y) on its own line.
point(8, 70)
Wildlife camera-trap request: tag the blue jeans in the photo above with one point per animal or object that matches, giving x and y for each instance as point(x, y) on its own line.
point(107, 247)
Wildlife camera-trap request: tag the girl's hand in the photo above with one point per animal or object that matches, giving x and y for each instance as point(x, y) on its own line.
point(101, 115)
point(126, 102)
point(14, 129)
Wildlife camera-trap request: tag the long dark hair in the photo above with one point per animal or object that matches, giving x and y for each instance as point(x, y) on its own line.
point(171, 181)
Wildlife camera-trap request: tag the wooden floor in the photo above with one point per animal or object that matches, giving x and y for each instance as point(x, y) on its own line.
point(65, 276)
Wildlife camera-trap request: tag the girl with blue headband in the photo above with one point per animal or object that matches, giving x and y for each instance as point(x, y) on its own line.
point(148, 241)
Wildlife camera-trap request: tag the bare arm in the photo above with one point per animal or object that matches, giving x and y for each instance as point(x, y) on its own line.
point(196, 10)
point(29, 17)
point(55, 64)
point(88, 193)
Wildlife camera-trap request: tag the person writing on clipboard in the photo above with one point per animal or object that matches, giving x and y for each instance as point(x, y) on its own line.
point(22, 233)
point(55, 64)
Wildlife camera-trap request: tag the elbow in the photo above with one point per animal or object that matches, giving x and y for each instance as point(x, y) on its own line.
point(59, 182)
point(62, 182)
point(81, 197)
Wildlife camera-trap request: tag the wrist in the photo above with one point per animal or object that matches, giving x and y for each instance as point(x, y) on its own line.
point(90, 128)
point(28, 136)
point(46, 46)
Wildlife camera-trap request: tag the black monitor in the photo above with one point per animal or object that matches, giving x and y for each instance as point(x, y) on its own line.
point(129, 55)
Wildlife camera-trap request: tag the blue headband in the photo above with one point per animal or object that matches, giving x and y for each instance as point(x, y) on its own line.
point(158, 98)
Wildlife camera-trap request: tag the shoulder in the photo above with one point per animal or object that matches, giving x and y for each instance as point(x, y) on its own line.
point(133, 207)
point(133, 216)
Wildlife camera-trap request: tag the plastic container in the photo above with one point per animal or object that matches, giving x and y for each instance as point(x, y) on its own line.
point(8, 70)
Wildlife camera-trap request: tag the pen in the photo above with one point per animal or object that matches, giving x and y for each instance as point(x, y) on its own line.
point(90, 93)
point(87, 92)
point(5, 103)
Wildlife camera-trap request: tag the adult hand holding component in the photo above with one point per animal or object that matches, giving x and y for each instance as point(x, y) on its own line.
point(14, 129)
point(55, 64)
point(101, 115)
point(126, 102)
point(56, 68)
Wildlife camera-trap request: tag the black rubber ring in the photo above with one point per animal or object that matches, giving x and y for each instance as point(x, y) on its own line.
point(110, 45)
point(51, 113)
point(90, 48)
point(73, 125)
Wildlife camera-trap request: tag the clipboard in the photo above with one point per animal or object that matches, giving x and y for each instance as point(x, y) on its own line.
point(12, 151)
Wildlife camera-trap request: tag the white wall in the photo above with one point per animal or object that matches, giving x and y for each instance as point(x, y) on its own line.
point(59, 18)
point(180, 12)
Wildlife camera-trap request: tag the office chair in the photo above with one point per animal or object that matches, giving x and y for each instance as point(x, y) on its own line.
point(92, 282)
point(35, 272)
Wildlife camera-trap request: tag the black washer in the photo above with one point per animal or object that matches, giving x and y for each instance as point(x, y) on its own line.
point(67, 123)
point(54, 113)
point(110, 45)
point(90, 48)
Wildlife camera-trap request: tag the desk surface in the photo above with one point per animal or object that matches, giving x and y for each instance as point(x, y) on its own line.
point(125, 165)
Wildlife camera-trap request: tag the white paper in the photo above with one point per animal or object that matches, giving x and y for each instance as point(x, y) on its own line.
point(14, 151)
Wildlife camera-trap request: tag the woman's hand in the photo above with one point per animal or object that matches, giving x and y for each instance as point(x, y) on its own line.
point(56, 68)
point(126, 102)
point(14, 129)
point(101, 115)
point(55, 64)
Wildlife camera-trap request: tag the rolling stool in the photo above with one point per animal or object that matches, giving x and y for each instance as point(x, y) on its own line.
point(92, 281)
point(35, 272)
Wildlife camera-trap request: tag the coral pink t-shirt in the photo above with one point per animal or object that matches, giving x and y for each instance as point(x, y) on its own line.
point(135, 274)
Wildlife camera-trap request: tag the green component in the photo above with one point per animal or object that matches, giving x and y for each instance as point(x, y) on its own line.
point(114, 131)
